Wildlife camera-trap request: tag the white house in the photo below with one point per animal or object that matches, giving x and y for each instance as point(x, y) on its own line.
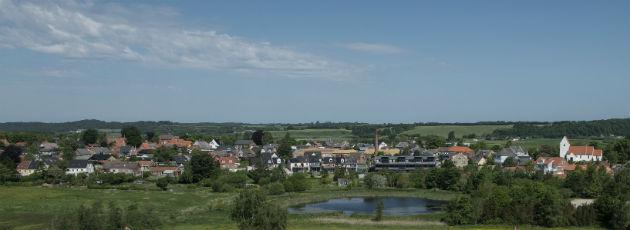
point(213, 144)
point(382, 145)
point(76, 167)
point(579, 153)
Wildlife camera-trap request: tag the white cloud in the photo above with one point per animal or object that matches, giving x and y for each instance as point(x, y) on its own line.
point(89, 30)
point(373, 48)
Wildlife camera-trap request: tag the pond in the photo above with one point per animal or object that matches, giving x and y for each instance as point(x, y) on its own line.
point(394, 206)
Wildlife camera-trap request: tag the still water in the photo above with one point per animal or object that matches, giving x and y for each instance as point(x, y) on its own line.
point(394, 206)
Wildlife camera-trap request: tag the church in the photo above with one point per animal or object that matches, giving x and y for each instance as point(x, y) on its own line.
point(579, 153)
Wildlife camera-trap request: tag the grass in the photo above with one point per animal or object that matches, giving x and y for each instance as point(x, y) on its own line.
point(460, 130)
point(315, 134)
point(537, 142)
point(184, 207)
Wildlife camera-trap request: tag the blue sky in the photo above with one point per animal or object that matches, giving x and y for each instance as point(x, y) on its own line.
point(298, 61)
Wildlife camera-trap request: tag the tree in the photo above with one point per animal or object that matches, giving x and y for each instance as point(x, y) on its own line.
point(434, 142)
point(10, 157)
point(296, 183)
point(203, 166)
point(252, 210)
point(451, 136)
point(460, 211)
point(186, 176)
point(7, 174)
point(89, 136)
point(150, 136)
point(267, 138)
point(162, 183)
point(133, 135)
point(375, 180)
point(509, 162)
point(285, 150)
point(378, 211)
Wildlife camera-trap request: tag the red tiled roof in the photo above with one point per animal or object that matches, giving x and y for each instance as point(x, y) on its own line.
point(23, 165)
point(556, 161)
point(585, 150)
point(460, 149)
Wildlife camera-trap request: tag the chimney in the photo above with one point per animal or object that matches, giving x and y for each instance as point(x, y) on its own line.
point(376, 147)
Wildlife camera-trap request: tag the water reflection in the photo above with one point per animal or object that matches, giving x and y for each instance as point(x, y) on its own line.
point(394, 206)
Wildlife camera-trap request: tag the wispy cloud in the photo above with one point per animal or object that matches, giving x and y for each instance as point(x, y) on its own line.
point(92, 30)
point(373, 48)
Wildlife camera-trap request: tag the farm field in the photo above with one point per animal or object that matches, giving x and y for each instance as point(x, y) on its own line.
point(315, 134)
point(460, 130)
point(537, 142)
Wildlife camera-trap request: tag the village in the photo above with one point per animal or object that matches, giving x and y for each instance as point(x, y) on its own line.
point(312, 157)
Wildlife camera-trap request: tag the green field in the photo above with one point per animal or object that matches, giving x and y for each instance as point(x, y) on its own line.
point(460, 130)
point(185, 207)
point(537, 142)
point(315, 134)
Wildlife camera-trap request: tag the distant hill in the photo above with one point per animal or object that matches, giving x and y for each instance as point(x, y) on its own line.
point(498, 129)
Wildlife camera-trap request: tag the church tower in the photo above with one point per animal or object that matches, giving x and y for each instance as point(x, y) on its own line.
point(564, 147)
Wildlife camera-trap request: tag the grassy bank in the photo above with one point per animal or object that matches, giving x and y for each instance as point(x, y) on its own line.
point(189, 207)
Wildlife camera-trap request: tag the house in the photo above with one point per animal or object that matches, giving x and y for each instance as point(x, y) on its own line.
point(179, 143)
point(271, 159)
point(47, 148)
point(83, 154)
point(298, 164)
point(459, 160)
point(126, 150)
point(425, 159)
point(445, 151)
point(76, 167)
point(206, 146)
point(180, 160)
point(520, 155)
point(101, 158)
point(383, 146)
point(314, 160)
point(122, 167)
point(26, 168)
point(343, 182)
point(244, 144)
point(480, 157)
point(228, 162)
point(165, 138)
point(579, 153)
point(165, 171)
point(556, 166)
point(402, 145)
point(147, 146)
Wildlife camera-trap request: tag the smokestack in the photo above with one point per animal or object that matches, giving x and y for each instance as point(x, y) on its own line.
point(376, 147)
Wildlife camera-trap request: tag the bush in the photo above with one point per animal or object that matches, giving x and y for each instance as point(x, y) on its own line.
point(275, 188)
point(98, 217)
point(218, 186)
point(162, 183)
point(375, 180)
point(296, 183)
point(460, 211)
point(252, 210)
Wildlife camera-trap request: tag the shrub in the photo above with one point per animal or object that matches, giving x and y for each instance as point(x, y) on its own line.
point(162, 183)
point(275, 188)
point(375, 180)
point(296, 183)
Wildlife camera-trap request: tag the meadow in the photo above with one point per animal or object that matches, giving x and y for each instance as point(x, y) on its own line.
point(460, 130)
point(191, 207)
point(315, 134)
